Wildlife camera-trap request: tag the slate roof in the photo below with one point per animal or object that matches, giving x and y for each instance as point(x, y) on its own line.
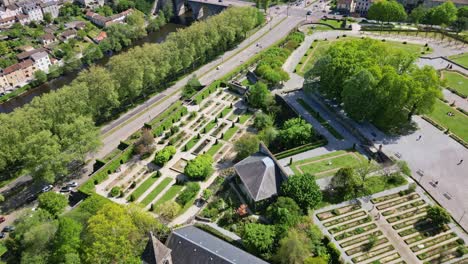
point(260, 176)
point(191, 245)
point(155, 251)
point(27, 54)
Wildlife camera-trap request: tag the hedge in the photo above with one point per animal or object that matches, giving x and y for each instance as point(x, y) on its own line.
point(432, 122)
point(175, 115)
point(462, 110)
point(300, 149)
point(103, 173)
point(189, 192)
point(459, 140)
point(456, 92)
point(204, 93)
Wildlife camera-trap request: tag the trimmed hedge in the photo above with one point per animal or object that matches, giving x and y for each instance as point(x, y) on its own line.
point(432, 122)
point(103, 173)
point(459, 140)
point(189, 192)
point(456, 92)
point(205, 92)
point(300, 149)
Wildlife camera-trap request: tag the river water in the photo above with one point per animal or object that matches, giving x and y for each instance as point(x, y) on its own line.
point(153, 37)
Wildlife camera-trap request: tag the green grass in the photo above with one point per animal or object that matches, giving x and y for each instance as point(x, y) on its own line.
point(230, 132)
point(170, 194)
point(320, 119)
point(244, 117)
point(208, 127)
point(3, 249)
point(144, 186)
point(457, 124)
point(333, 23)
point(322, 166)
point(456, 81)
point(225, 112)
point(461, 59)
point(191, 143)
point(150, 197)
point(214, 149)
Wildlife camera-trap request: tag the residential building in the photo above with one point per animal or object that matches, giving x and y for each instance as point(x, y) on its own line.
point(346, 6)
point(28, 53)
point(78, 25)
point(259, 177)
point(9, 21)
point(47, 39)
point(41, 61)
point(103, 21)
point(192, 245)
point(8, 2)
point(67, 35)
point(433, 3)
point(100, 37)
point(362, 7)
point(91, 3)
point(51, 7)
point(3, 83)
point(9, 11)
point(33, 10)
point(156, 252)
point(18, 74)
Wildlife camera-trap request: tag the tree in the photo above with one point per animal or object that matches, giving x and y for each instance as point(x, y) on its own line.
point(40, 77)
point(263, 121)
point(199, 168)
point(386, 11)
point(193, 85)
point(164, 155)
point(52, 202)
point(190, 191)
point(438, 215)
point(303, 189)
point(347, 183)
point(315, 260)
point(268, 135)
point(417, 14)
point(258, 238)
point(444, 14)
point(295, 132)
point(144, 145)
point(259, 96)
point(168, 210)
point(293, 248)
point(284, 212)
point(67, 241)
point(246, 145)
point(47, 18)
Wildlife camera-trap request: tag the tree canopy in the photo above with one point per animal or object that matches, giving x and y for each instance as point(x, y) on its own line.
point(246, 145)
point(295, 132)
point(303, 189)
point(387, 11)
point(438, 215)
point(200, 167)
point(259, 96)
point(259, 238)
point(52, 202)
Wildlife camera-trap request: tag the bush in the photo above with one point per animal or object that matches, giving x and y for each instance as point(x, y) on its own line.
point(190, 191)
point(199, 168)
point(115, 191)
point(396, 179)
point(164, 155)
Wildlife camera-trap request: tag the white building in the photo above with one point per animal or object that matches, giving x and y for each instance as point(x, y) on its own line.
point(41, 61)
point(33, 10)
point(51, 7)
point(362, 6)
point(91, 3)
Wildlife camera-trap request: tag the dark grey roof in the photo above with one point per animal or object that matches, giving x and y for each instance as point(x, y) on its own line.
point(191, 245)
point(260, 176)
point(155, 251)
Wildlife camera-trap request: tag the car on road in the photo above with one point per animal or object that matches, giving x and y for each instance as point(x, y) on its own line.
point(47, 188)
point(65, 189)
point(72, 184)
point(309, 13)
point(8, 229)
point(2, 219)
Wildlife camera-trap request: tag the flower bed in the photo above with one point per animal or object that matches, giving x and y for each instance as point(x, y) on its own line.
point(208, 127)
point(214, 149)
point(438, 250)
point(399, 201)
point(338, 211)
point(432, 242)
point(408, 214)
point(390, 258)
point(373, 253)
point(360, 239)
point(356, 231)
point(218, 129)
point(385, 198)
point(403, 207)
point(350, 225)
point(425, 228)
point(416, 221)
point(344, 219)
point(196, 123)
point(364, 247)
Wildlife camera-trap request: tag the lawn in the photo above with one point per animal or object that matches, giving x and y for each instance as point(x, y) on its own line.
point(150, 197)
point(208, 127)
point(144, 186)
point(230, 132)
point(320, 167)
point(331, 22)
point(244, 117)
point(456, 81)
point(3, 249)
point(170, 194)
point(461, 59)
point(225, 112)
point(457, 124)
point(191, 143)
point(214, 149)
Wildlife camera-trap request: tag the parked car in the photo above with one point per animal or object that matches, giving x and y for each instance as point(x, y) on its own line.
point(47, 188)
point(2, 219)
point(309, 13)
point(31, 198)
point(2, 235)
point(8, 229)
point(72, 184)
point(65, 189)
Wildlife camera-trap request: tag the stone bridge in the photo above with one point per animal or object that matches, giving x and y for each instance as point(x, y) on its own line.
point(205, 8)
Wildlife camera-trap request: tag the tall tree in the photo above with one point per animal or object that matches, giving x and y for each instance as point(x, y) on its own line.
point(258, 238)
point(52, 202)
point(387, 11)
point(303, 189)
point(246, 145)
point(293, 248)
point(444, 14)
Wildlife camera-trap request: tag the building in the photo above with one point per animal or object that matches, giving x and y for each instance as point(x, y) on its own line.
point(433, 3)
point(28, 53)
point(41, 61)
point(156, 252)
point(9, 11)
point(259, 176)
point(10, 21)
point(103, 21)
point(78, 25)
point(67, 35)
point(100, 37)
point(51, 7)
point(362, 7)
point(33, 10)
point(18, 74)
point(47, 39)
point(192, 245)
point(91, 3)
point(346, 6)
point(8, 2)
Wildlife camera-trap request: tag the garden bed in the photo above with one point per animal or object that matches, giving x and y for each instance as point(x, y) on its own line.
point(432, 242)
point(356, 231)
point(373, 253)
point(350, 225)
point(230, 132)
point(161, 186)
point(218, 129)
point(403, 207)
point(420, 220)
point(338, 211)
point(385, 198)
point(214, 149)
point(201, 146)
point(360, 239)
point(407, 214)
point(145, 186)
point(170, 194)
point(405, 199)
point(438, 250)
point(344, 219)
point(365, 247)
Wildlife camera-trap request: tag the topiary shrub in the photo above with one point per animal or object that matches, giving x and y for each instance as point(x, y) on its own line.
point(115, 191)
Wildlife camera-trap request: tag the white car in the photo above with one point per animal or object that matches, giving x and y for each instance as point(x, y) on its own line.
point(47, 188)
point(72, 184)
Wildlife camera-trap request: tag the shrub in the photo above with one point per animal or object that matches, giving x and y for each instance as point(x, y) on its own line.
point(190, 191)
point(115, 191)
point(199, 168)
point(164, 155)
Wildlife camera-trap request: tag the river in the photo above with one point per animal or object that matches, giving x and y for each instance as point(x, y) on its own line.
point(153, 37)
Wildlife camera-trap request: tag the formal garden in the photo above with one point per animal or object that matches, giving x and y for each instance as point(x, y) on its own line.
point(461, 59)
point(456, 82)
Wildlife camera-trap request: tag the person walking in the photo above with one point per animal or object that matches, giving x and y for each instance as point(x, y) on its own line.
point(461, 161)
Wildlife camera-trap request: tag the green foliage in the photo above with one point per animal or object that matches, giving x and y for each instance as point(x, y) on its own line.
point(193, 85)
point(52, 202)
point(259, 96)
point(303, 189)
point(190, 191)
point(115, 191)
point(258, 238)
point(293, 248)
point(164, 155)
point(443, 14)
point(67, 240)
point(347, 182)
point(168, 210)
point(284, 212)
point(40, 77)
point(386, 11)
point(295, 132)
point(263, 121)
point(207, 193)
point(438, 215)
point(269, 66)
point(199, 168)
point(385, 88)
point(246, 146)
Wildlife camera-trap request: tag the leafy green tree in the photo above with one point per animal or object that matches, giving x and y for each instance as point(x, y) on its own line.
point(259, 238)
point(67, 241)
point(164, 155)
point(295, 132)
point(387, 11)
point(303, 189)
point(190, 191)
point(438, 215)
point(40, 77)
point(259, 96)
point(443, 14)
point(268, 135)
point(52, 202)
point(246, 145)
point(417, 14)
point(263, 120)
point(199, 168)
point(347, 182)
point(193, 85)
point(168, 210)
point(284, 212)
point(293, 248)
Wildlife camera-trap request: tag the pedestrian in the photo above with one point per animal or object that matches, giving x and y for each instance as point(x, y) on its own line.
point(419, 138)
point(460, 162)
point(437, 182)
